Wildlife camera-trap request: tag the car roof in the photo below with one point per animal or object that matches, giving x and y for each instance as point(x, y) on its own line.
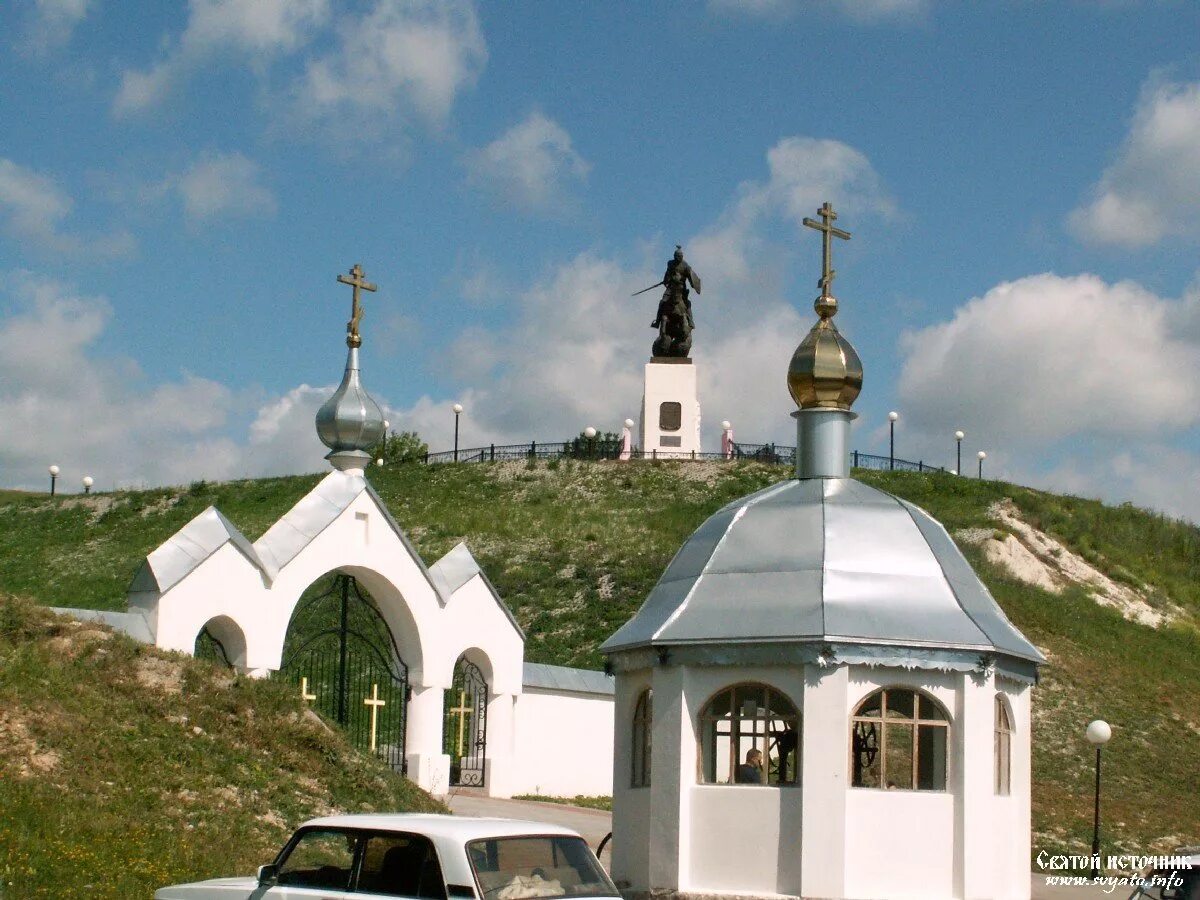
point(463, 828)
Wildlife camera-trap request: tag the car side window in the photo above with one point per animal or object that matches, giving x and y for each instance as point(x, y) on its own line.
point(319, 859)
point(401, 865)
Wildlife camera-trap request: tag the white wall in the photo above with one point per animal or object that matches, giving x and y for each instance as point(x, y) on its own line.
point(745, 839)
point(823, 838)
point(630, 865)
point(563, 744)
point(899, 844)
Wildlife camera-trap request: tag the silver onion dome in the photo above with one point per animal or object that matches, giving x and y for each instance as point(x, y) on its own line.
point(350, 423)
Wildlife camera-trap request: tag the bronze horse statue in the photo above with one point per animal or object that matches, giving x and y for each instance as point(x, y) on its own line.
point(674, 320)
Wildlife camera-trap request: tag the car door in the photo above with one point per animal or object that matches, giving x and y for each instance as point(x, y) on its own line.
point(396, 864)
point(317, 863)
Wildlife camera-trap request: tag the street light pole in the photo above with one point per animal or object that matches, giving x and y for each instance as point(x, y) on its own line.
point(457, 412)
point(590, 434)
point(982, 456)
point(88, 481)
point(1098, 734)
point(53, 478)
point(892, 417)
point(958, 436)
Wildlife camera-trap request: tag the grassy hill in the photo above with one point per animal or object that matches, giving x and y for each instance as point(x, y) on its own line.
point(123, 768)
point(574, 548)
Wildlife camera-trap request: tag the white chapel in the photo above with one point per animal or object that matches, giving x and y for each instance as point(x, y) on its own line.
point(820, 698)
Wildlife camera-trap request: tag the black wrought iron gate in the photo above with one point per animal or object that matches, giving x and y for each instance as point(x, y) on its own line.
point(464, 730)
point(343, 659)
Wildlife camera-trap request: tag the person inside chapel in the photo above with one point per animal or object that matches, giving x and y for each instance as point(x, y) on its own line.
point(750, 772)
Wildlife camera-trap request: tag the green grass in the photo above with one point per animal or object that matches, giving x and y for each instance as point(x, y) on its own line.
point(123, 768)
point(574, 548)
point(583, 800)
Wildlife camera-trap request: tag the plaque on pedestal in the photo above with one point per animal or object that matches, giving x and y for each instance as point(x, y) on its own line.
point(670, 425)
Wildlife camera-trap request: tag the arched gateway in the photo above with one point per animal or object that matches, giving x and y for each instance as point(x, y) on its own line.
point(335, 598)
point(342, 656)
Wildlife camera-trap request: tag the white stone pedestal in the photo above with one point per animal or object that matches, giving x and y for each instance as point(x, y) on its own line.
point(670, 425)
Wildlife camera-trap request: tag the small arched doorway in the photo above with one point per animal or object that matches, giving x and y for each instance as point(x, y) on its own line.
point(464, 732)
point(221, 641)
point(343, 658)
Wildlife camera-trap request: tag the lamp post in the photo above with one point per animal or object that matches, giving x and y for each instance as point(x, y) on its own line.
point(383, 443)
point(982, 456)
point(892, 417)
point(1098, 734)
point(53, 478)
point(590, 434)
point(958, 436)
point(457, 412)
point(88, 481)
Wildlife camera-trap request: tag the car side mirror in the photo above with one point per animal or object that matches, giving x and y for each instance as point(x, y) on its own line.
point(267, 874)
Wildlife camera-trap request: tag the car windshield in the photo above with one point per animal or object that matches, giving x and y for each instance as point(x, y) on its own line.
point(510, 868)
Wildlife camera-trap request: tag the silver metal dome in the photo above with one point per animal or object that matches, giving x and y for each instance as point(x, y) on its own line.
point(822, 561)
point(350, 423)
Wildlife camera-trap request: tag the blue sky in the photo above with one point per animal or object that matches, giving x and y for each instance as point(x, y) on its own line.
point(180, 184)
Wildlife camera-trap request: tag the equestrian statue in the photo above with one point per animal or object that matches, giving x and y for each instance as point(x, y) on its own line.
point(674, 319)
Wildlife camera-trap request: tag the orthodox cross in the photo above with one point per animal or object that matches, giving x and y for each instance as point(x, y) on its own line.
point(304, 694)
point(374, 702)
point(825, 226)
point(355, 281)
point(463, 711)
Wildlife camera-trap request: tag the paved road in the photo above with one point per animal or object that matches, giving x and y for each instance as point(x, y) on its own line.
point(594, 824)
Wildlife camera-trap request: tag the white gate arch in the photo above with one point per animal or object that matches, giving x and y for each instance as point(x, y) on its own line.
point(209, 571)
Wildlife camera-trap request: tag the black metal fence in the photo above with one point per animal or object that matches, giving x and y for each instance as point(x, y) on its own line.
point(774, 454)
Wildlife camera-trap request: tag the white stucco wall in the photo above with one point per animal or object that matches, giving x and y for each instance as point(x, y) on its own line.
point(745, 839)
point(823, 838)
point(563, 744)
point(899, 844)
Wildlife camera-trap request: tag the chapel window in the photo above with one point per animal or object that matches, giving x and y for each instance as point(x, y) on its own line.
point(749, 734)
point(643, 720)
point(1004, 735)
point(898, 741)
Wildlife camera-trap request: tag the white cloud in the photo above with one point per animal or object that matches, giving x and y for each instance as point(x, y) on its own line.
point(224, 185)
point(62, 405)
point(52, 23)
point(254, 29)
point(1046, 358)
point(858, 10)
point(33, 208)
point(803, 173)
point(401, 57)
point(1158, 476)
point(532, 165)
point(1152, 190)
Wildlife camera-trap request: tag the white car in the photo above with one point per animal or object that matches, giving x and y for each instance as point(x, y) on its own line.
point(1181, 883)
point(419, 856)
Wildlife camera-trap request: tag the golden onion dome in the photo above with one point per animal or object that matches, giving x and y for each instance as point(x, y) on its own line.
point(825, 372)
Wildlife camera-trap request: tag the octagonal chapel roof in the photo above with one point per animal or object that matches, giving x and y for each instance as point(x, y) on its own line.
point(822, 560)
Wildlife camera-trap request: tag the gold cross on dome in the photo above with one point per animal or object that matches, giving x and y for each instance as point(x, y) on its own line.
point(374, 702)
point(304, 694)
point(463, 711)
point(356, 281)
point(825, 226)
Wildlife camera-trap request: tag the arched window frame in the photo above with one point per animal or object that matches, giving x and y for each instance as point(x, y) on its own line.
point(926, 746)
point(643, 723)
point(772, 719)
point(1003, 750)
